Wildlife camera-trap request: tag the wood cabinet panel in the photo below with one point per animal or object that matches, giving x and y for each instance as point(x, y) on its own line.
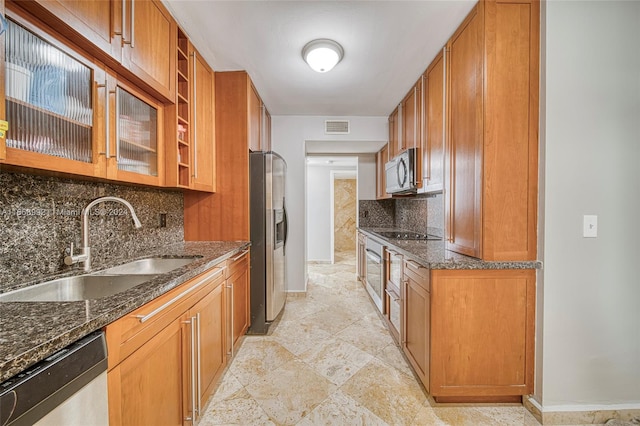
point(394, 140)
point(96, 21)
point(381, 181)
point(150, 45)
point(147, 387)
point(482, 332)
point(417, 320)
point(203, 142)
point(465, 137)
point(510, 168)
point(254, 111)
point(433, 131)
point(492, 137)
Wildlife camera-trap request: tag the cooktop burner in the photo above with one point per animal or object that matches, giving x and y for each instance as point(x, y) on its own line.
point(405, 235)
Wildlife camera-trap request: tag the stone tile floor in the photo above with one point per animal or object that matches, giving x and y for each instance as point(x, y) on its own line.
point(331, 361)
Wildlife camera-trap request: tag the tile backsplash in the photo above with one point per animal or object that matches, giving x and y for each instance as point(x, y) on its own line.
point(40, 216)
point(421, 213)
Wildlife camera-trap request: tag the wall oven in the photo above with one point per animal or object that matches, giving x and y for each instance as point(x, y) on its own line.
point(375, 272)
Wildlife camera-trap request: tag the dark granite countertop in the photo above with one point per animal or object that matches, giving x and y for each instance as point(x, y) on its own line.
point(31, 331)
point(432, 254)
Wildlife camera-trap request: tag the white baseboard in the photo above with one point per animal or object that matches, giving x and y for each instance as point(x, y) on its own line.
point(581, 414)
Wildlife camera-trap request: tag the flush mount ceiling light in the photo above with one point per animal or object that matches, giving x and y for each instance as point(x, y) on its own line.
point(322, 54)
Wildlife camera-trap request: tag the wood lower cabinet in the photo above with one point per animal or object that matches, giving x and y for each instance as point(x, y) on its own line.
point(166, 356)
point(482, 333)
point(415, 335)
point(491, 165)
point(469, 335)
point(238, 300)
point(148, 387)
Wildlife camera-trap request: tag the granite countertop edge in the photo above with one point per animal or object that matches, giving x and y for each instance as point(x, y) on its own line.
point(32, 331)
point(432, 254)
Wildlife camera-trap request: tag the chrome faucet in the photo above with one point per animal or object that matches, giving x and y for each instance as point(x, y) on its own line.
point(85, 254)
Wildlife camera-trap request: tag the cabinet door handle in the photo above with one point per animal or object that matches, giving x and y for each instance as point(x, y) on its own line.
point(106, 121)
point(195, 117)
point(193, 368)
point(117, 125)
point(240, 255)
point(132, 21)
point(147, 317)
point(198, 351)
point(230, 353)
point(413, 265)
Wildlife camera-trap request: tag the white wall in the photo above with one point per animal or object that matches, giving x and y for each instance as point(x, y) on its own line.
point(319, 230)
point(367, 177)
point(591, 131)
point(289, 134)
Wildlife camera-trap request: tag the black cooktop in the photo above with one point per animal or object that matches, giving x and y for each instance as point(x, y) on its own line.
point(406, 235)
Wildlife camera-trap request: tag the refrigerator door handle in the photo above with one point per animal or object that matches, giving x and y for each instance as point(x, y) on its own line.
point(286, 228)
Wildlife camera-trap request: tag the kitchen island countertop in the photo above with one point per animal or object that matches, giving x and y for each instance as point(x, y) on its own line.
point(31, 331)
point(432, 254)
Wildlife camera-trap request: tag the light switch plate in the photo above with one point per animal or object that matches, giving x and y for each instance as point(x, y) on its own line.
point(590, 226)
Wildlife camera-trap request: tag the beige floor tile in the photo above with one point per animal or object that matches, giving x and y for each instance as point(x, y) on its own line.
point(336, 360)
point(481, 416)
point(392, 356)
point(333, 319)
point(299, 336)
point(228, 386)
point(370, 338)
point(258, 357)
point(298, 308)
point(238, 409)
point(290, 393)
point(340, 409)
point(427, 417)
point(391, 395)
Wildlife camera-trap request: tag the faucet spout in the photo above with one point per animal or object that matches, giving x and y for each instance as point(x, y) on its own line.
point(85, 256)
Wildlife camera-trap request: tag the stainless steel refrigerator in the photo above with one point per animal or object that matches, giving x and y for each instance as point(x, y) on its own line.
point(268, 239)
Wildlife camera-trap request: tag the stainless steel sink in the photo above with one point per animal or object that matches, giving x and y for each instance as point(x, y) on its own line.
point(150, 265)
point(82, 287)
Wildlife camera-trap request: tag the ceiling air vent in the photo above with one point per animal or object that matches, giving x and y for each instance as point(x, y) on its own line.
point(336, 127)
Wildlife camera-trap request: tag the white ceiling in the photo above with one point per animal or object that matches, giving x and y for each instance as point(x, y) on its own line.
point(387, 45)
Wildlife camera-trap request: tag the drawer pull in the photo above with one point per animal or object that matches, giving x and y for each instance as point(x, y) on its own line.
point(147, 317)
point(240, 255)
point(413, 265)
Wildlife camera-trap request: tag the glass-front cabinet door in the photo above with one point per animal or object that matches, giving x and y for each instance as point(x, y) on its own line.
point(51, 104)
point(135, 153)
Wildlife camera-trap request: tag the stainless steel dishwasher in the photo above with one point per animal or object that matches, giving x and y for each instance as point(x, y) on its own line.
point(68, 388)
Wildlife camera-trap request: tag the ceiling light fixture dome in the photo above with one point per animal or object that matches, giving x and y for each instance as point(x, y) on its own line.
point(322, 54)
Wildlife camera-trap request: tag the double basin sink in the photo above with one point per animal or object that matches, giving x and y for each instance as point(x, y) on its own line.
point(99, 284)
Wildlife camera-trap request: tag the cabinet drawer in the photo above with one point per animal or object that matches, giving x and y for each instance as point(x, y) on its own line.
point(418, 273)
point(130, 332)
point(236, 264)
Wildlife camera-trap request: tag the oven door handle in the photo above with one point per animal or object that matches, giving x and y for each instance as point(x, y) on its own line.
point(374, 256)
point(392, 294)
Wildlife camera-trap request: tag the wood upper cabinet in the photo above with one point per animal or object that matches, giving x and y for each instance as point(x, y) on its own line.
point(482, 333)
point(266, 130)
point(135, 37)
point(416, 324)
point(149, 42)
point(57, 118)
point(433, 130)
point(492, 139)
point(203, 116)
point(394, 140)
point(255, 113)
point(412, 118)
point(381, 182)
point(97, 21)
point(225, 215)
point(3, 145)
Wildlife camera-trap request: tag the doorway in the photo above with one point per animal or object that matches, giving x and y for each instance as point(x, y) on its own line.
point(344, 215)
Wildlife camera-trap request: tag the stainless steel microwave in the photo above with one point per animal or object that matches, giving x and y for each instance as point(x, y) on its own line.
point(400, 173)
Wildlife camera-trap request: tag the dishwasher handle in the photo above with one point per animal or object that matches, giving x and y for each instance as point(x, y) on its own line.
point(374, 256)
